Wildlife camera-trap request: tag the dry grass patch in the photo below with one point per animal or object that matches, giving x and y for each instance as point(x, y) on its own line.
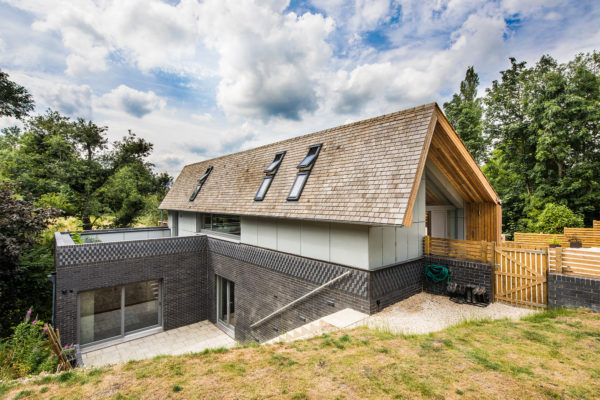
point(554, 354)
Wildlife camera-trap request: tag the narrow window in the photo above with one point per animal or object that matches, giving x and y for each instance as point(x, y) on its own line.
point(201, 181)
point(270, 172)
point(304, 169)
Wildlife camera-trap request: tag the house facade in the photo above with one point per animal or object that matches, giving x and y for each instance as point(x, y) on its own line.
point(263, 241)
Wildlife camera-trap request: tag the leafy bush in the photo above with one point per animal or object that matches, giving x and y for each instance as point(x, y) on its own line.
point(27, 351)
point(555, 217)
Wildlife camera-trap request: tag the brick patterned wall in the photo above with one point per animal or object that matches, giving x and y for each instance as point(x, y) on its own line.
point(183, 275)
point(303, 268)
point(573, 291)
point(393, 284)
point(89, 253)
point(265, 281)
point(261, 287)
point(466, 272)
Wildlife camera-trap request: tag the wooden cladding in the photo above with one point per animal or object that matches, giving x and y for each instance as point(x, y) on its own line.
point(484, 221)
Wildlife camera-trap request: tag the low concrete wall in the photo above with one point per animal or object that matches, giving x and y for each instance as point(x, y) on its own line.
point(573, 291)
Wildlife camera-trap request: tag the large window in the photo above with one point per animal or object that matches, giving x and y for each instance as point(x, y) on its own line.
point(114, 312)
point(220, 223)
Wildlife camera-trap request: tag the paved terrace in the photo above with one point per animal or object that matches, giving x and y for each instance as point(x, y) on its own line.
point(192, 338)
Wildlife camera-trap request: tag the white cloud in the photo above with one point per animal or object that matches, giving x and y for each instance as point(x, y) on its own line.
point(60, 95)
point(250, 72)
point(134, 102)
point(269, 62)
point(206, 117)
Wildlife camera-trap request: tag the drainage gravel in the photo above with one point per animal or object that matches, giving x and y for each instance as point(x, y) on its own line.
point(424, 313)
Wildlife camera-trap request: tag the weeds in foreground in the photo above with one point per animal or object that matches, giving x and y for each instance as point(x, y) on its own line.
point(520, 359)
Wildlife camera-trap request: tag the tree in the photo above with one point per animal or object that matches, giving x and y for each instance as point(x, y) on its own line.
point(70, 165)
point(465, 113)
point(555, 217)
point(15, 100)
point(545, 124)
point(21, 223)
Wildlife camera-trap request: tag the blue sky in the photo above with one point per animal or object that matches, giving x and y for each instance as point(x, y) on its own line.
point(203, 78)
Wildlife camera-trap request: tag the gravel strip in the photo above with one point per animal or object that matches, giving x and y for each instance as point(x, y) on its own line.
point(424, 313)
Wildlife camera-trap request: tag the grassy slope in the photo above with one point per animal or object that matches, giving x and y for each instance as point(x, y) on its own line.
point(555, 354)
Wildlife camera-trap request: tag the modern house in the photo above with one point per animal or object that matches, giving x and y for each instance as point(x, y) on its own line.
point(265, 240)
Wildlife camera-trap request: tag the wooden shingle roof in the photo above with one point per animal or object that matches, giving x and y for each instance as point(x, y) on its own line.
point(365, 173)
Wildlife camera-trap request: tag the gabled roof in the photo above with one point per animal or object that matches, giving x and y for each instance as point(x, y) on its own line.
point(367, 172)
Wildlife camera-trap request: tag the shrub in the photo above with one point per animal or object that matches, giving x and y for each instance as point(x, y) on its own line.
point(555, 217)
point(27, 351)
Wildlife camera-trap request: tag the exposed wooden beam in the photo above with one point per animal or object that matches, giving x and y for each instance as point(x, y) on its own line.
point(408, 214)
point(468, 158)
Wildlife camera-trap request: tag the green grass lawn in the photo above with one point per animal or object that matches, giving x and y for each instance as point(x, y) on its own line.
point(554, 354)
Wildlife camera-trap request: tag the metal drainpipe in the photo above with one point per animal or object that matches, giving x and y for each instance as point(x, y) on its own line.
point(52, 278)
point(161, 218)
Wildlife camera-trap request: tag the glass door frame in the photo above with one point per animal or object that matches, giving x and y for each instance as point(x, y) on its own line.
point(123, 334)
point(224, 325)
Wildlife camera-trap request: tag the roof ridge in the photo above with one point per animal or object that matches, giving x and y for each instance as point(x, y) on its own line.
point(348, 125)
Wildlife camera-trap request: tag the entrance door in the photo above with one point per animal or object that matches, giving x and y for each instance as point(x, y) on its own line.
point(226, 305)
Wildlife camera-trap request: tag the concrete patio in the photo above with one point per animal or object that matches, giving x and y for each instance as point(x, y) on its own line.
point(187, 339)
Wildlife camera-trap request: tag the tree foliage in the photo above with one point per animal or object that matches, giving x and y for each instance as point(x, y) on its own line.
point(555, 217)
point(24, 263)
point(15, 100)
point(543, 127)
point(70, 165)
point(465, 113)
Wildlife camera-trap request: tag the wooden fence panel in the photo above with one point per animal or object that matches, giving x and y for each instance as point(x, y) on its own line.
point(474, 250)
point(581, 262)
point(541, 239)
point(596, 225)
point(589, 237)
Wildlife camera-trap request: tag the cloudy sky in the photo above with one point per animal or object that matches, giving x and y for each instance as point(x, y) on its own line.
point(204, 78)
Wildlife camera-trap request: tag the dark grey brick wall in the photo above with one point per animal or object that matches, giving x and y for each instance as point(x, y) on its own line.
point(265, 281)
point(261, 288)
point(573, 291)
point(466, 272)
point(393, 284)
point(183, 274)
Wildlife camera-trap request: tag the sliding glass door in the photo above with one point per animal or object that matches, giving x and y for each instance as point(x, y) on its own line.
point(114, 312)
point(226, 304)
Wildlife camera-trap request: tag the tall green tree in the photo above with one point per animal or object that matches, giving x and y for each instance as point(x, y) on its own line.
point(545, 123)
point(70, 165)
point(23, 264)
point(465, 112)
point(15, 100)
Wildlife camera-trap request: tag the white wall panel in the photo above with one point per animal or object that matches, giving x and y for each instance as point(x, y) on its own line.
point(375, 246)
point(267, 233)
point(349, 244)
point(314, 240)
point(248, 227)
point(389, 245)
point(288, 236)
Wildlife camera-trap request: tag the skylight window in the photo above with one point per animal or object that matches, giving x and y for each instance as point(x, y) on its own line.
point(201, 181)
point(310, 158)
point(274, 166)
point(270, 172)
point(304, 169)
